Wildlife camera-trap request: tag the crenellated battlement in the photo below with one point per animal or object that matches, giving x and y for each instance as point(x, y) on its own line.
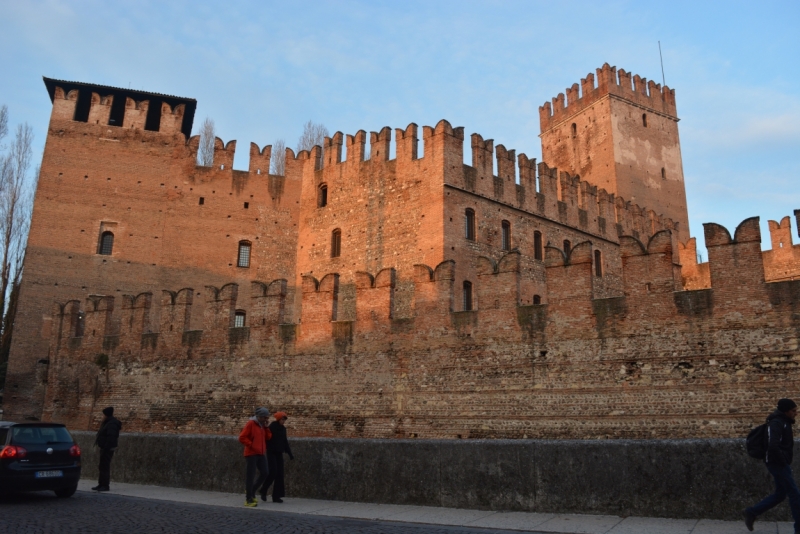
point(610, 82)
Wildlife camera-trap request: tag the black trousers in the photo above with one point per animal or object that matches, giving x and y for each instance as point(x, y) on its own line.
point(105, 466)
point(276, 474)
point(255, 462)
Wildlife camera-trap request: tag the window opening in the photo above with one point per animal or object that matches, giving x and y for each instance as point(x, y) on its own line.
point(322, 196)
point(537, 245)
point(336, 243)
point(117, 115)
point(644, 120)
point(663, 173)
point(537, 299)
point(244, 254)
point(574, 130)
point(598, 263)
point(239, 318)
point(467, 296)
point(202, 200)
point(246, 205)
point(82, 105)
point(567, 246)
point(506, 235)
point(106, 244)
point(153, 120)
point(469, 224)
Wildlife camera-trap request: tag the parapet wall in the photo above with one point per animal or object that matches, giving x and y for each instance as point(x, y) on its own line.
point(610, 81)
point(657, 362)
point(649, 478)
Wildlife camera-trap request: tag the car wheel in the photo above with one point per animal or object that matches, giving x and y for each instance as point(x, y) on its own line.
point(66, 492)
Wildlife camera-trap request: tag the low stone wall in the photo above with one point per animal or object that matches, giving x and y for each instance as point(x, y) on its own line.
point(657, 478)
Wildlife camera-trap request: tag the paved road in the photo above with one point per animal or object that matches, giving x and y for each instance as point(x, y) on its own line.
point(42, 513)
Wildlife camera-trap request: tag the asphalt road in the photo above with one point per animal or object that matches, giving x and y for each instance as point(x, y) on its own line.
point(43, 513)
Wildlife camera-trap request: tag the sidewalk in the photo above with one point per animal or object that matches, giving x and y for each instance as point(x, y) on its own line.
point(522, 521)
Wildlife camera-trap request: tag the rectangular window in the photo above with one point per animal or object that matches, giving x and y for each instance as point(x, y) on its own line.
point(244, 255)
point(238, 320)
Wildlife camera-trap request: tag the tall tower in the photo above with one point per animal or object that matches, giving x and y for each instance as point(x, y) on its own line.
point(622, 137)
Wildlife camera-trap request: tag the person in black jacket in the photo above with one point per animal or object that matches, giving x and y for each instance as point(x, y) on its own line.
point(779, 461)
point(107, 440)
point(276, 447)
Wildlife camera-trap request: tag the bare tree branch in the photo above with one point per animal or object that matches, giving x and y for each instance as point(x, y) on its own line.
point(313, 135)
point(278, 158)
point(3, 122)
point(208, 135)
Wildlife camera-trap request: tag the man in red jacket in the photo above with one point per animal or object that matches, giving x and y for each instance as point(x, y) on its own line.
point(254, 437)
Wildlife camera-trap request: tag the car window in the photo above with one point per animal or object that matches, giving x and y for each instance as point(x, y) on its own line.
point(3, 435)
point(39, 435)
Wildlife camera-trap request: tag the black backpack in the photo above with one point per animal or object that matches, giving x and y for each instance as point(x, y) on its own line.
point(757, 442)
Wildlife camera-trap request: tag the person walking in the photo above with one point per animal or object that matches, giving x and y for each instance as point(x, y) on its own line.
point(779, 459)
point(107, 440)
point(254, 437)
point(278, 445)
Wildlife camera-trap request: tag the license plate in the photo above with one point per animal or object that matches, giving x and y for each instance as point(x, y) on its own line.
point(49, 474)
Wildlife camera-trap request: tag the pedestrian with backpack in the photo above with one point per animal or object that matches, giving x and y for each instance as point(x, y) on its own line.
point(254, 437)
point(778, 457)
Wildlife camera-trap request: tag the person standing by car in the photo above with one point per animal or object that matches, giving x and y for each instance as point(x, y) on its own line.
point(780, 444)
point(277, 446)
point(107, 440)
point(254, 437)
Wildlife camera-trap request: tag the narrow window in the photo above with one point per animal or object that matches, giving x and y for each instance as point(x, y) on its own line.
point(567, 246)
point(537, 245)
point(106, 244)
point(644, 120)
point(598, 263)
point(80, 324)
point(336, 243)
point(202, 201)
point(238, 319)
point(244, 254)
point(322, 196)
point(467, 296)
point(246, 205)
point(506, 235)
point(663, 173)
point(574, 130)
point(537, 299)
point(469, 224)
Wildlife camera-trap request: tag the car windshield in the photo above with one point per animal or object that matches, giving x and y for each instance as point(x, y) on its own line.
point(39, 435)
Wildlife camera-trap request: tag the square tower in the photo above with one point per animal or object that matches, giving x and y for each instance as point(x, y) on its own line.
point(622, 136)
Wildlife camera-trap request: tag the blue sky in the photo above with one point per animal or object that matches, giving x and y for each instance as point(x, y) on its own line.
point(262, 69)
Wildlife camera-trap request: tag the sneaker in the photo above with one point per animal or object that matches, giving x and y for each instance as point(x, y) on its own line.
point(251, 503)
point(749, 519)
point(101, 488)
point(277, 499)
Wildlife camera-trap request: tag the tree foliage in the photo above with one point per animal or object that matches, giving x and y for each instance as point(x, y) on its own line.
point(208, 136)
point(17, 188)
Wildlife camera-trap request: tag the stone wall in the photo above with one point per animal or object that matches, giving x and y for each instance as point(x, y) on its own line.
point(655, 478)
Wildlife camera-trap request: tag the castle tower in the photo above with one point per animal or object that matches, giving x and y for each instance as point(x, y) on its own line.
point(621, 135)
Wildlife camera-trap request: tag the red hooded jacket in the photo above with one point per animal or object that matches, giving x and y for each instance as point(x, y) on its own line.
point(255, 437)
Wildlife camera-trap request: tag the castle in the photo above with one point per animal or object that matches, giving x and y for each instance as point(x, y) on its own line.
point(413, 296)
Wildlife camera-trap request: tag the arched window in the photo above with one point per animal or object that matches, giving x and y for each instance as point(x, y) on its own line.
point(244, 254)
point(239, 318)
point(467, 295)
point(663, 173)
point(469, 224)
point(506, 235)
point(106, 244)
point(574, 130)
point(567, 246)
point(537, 299)
point(537, 245)
point(598, 263)
point(644, 120)
point(336, 243)
point(322, 195)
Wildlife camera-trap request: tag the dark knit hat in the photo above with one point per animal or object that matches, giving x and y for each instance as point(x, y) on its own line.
point(108, 411)
point(262, 412)
point(784, 405)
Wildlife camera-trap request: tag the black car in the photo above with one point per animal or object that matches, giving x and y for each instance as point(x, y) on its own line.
point(38, 456)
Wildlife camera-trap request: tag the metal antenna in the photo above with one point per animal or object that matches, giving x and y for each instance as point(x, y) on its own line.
point(663, 80)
